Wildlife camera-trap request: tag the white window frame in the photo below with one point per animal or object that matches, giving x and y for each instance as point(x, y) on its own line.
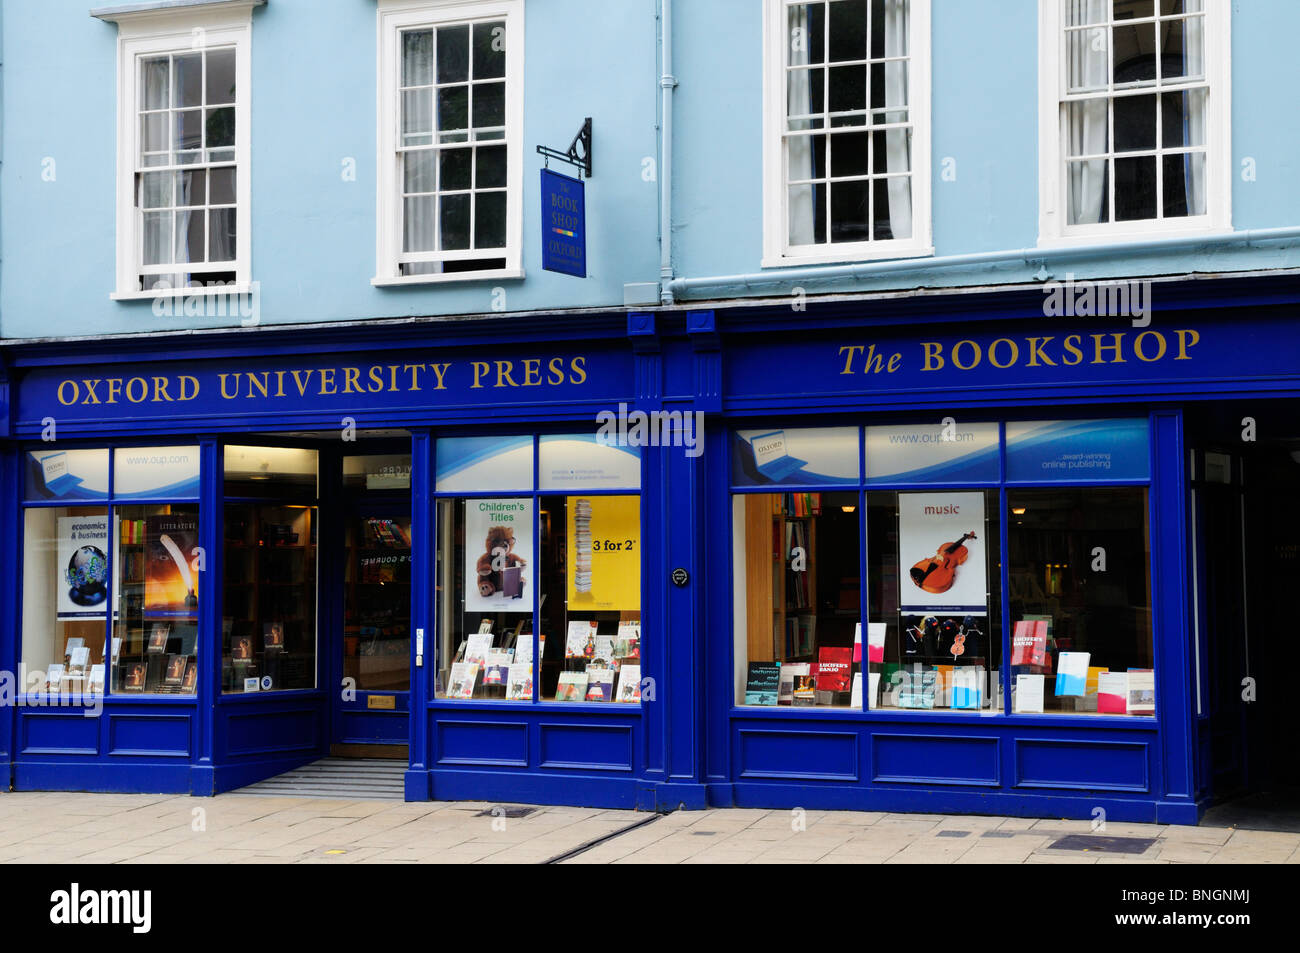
point(777, 251)
point(180, 30)
point(396, 16)
point(1053, 209)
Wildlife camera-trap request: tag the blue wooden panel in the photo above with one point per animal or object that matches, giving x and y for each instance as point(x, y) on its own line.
point(269, 732)
point(812, 755)
point(1083, 765)
point(149, 735)
point(49, 732)
point(935, 759)
point(481, 742)
point(373, 727)
point(590, 747)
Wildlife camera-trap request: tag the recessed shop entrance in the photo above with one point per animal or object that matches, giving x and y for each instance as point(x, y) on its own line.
point(1244, 464)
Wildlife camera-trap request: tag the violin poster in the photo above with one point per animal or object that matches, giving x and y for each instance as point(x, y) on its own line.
point(941, 549)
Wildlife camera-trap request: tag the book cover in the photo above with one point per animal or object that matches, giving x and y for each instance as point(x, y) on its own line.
point(1029, 694)
point(580, 640)
point(629, 683)
point(1112, 693)
point(96, 678)
point(876, 642)
point(857, 643)
point(1093, 674)
point(54, 677)
point(477, 648)
point(175, 669)
point(133, 677)
point(572, 687)
point(158, 638)
point(273, 636)
point(918, 689)
point(834, 667)
point(805, 688)
point(496, 667)
point(191, 679)
point(873, 689)
point(241, 648)
point(600, 683)
point(1141, 691)
point(1072, 673)
point(1029, 643)
point(460, 683)
point(78, 659)
point(519, 682)
point(855, 693)
point(762, 683)
point(785, 687)
point(968, 687)
point(170, 581)
point(485, 626)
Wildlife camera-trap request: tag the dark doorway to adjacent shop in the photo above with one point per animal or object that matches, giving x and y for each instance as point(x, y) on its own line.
point(1244, 461)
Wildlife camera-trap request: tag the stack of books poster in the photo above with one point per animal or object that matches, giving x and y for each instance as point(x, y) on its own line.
point(582, 545)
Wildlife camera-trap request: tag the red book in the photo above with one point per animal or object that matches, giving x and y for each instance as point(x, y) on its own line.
point(834, 669)
point(1029, 643)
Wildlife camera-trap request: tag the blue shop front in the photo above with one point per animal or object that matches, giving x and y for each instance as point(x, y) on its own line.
point(929, 553)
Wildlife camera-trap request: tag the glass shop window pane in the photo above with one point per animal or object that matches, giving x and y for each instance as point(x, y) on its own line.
point(270, 471)
point(65, 599)
point(1080, 599)
point(798, 597)
point(269, 614)
point(377, 597)
point(934, 636)
point(485, 598)
point(66, 475)
point(591, 587)
point(156, 621)
point(168, 472)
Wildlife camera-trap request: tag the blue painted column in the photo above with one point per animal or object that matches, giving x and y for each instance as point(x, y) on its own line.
point(211, 577)
point(1171, 568)
point(424, 543)
point(11, 612)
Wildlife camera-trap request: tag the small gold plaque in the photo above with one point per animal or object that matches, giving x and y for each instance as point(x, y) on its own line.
point(387, 702)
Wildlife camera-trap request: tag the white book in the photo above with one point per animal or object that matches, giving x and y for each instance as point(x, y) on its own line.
point(1072, 673)
point(1141, 692)
point(79, 658)
point(476, 650)
point(97, 677)
point(873, 689)
point(577, 636)
point(460, 683)
point(629, 684)
point(54, 676)
point(572, 687)
point(519, 684)
point(855, 695)
point(1029, 694)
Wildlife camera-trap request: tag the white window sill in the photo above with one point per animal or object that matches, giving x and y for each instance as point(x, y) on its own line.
point(500, 274)
point(1129, 236)
point(241, 288)
point(848, 257)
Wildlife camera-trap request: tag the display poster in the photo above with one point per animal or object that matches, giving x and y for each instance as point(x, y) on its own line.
point(815, 455)
point(571, 462)
point(82, 566)
point(948, 452)
point(484, 464)
point(171, 579)
point(498, 549)
point(1079, 450)
point(604, 553)
point(941, 550)
point(66, 475)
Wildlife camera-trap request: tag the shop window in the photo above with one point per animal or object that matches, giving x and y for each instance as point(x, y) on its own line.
point(66, 475)
point(933, 640)
point(591, 580)
point(1080, 600)
point(158, 563)
point(270, 569)
point(487, 586)
point(65, 598)
point(798, 596)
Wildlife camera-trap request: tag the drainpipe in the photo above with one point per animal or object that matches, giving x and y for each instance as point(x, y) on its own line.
point(782, 279)
point(666, 84)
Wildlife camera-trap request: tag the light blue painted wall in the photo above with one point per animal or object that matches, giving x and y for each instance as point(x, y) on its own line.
point(313, 234)
point(314, 102)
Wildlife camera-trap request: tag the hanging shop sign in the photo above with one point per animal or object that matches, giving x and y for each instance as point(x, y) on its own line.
point(564, 224)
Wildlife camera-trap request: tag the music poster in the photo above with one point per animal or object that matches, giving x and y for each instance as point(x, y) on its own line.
point(943, 559)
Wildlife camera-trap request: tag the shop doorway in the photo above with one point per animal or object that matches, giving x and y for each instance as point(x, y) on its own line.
point(371, 644)
point(1246, 512)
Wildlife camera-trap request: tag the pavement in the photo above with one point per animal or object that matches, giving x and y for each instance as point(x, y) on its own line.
point(241, 828)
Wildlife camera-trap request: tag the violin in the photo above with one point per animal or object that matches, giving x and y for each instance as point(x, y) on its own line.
point(939, 572)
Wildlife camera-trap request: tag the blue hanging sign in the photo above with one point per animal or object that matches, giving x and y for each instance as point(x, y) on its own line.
point(564, 224)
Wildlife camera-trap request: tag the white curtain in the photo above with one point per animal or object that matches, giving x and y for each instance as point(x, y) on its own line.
point(1194, 117)
point(898, 145)
point(799, 153)
point(419, 215)
point(1087, 121)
